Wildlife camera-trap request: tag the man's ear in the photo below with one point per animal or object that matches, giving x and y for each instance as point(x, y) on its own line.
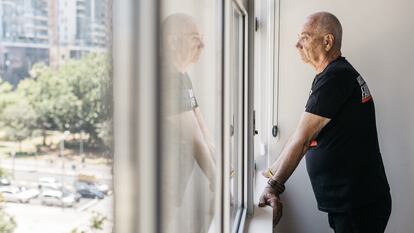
point(328, 41)
point(172, 42)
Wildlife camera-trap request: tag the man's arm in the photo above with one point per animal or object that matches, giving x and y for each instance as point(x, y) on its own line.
point(205, 132)
point(268, 173)
point(190, 131)
point(308, 128)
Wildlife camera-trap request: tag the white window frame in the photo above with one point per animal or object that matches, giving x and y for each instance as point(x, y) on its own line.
point(245, 182)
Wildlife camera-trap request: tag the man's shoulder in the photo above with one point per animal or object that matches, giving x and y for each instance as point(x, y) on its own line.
point(342, 72)
point(341, 68)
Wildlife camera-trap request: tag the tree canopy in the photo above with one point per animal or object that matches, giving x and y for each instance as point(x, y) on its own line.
point(77, 97)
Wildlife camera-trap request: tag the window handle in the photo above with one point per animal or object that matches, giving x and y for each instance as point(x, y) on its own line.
point(255, 131)
point(275, 131)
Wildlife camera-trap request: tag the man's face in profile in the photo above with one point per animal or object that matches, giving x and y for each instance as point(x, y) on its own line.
point(186, 45)
point(193, 44)
point(309, 44)
point(182, 41)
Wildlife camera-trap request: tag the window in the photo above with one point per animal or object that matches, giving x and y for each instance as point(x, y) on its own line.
point(266, 87)
point(55, 120)
point(191, 114)
point(181, 110)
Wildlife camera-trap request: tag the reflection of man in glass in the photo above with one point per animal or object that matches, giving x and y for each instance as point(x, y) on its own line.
point(182, 47)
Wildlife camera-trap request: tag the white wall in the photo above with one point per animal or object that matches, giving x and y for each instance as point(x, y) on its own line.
point(378, 41)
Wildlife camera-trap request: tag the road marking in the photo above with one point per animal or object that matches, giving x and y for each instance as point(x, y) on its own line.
point(87, 205)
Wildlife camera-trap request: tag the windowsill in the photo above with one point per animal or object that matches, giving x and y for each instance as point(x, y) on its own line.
point(261, 221)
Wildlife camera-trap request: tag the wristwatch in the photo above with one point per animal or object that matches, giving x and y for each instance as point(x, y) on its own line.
point(278, 187)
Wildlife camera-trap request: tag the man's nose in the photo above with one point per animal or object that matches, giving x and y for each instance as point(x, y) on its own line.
point(201, 44)
point(298, 45)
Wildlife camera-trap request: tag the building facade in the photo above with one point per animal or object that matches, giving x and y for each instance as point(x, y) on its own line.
point(49, 31)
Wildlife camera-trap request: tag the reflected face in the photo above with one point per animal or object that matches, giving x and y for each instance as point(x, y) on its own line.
point(184, 43)
point(193, 44)
point(187, 44)
point(310, 43)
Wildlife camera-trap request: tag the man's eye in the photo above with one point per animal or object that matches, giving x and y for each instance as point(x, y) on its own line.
point(195, 38)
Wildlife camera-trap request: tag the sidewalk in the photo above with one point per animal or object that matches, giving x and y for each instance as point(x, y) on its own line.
point(58, 167)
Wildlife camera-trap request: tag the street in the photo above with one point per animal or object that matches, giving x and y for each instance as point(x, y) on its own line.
point(34, 217)
point(37, 218)
point(56, 166)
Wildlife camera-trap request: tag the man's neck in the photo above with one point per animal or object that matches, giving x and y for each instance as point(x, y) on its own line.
point(181, 69)
point(326, 60)
point(180, 66)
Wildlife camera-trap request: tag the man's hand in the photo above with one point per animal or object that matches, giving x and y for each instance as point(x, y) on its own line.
point(271, 198)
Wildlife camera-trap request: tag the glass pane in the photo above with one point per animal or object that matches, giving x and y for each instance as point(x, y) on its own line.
point(236, 109)
point(266, 87)
point(191, 97)
point(56, 115)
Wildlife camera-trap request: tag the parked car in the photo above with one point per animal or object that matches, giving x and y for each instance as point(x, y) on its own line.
point(49, 183)
point(88, 191)
point(18, 194)
point(57, 198)
point(104, 188)
point(29, 192)
point(69, 192)
point(4, 181)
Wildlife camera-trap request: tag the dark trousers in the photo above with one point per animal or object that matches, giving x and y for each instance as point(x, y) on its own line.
point(369, 219)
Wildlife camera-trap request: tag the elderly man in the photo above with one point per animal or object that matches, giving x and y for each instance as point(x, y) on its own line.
point(188, 139)
point(337, 132)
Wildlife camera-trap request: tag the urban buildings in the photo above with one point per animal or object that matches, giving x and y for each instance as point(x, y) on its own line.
point(49, 31)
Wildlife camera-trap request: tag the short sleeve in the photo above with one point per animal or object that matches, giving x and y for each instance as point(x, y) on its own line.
point(329, 95)
point(178, 94)
point(189, 101)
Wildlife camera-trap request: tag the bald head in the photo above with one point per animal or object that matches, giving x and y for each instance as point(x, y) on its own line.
point(327, 23)
point(178, 24)
point(320, 39)
point(182, 40)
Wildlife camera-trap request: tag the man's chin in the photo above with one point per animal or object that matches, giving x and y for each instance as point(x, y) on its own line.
point(195, 59)
point(304, 59)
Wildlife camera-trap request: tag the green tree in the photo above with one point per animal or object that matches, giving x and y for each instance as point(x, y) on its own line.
point(7, 97)
point(3, 173)
point(7, 223)
point(75, 230)
point(18, 120)
point(90, 81)
point(16, 115)
point(76, 96)
point(97, 221)
point(105, 133)
point(50, 97)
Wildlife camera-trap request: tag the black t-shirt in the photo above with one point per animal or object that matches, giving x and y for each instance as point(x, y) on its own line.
point(178, 93)
point(344, 162)
point(178, 98)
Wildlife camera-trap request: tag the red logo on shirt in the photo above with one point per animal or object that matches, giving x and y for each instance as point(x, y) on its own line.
point(313, 143)
point(366, 94)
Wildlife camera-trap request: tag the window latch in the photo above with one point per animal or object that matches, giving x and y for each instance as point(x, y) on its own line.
point(275, 131)
point(255, 131)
